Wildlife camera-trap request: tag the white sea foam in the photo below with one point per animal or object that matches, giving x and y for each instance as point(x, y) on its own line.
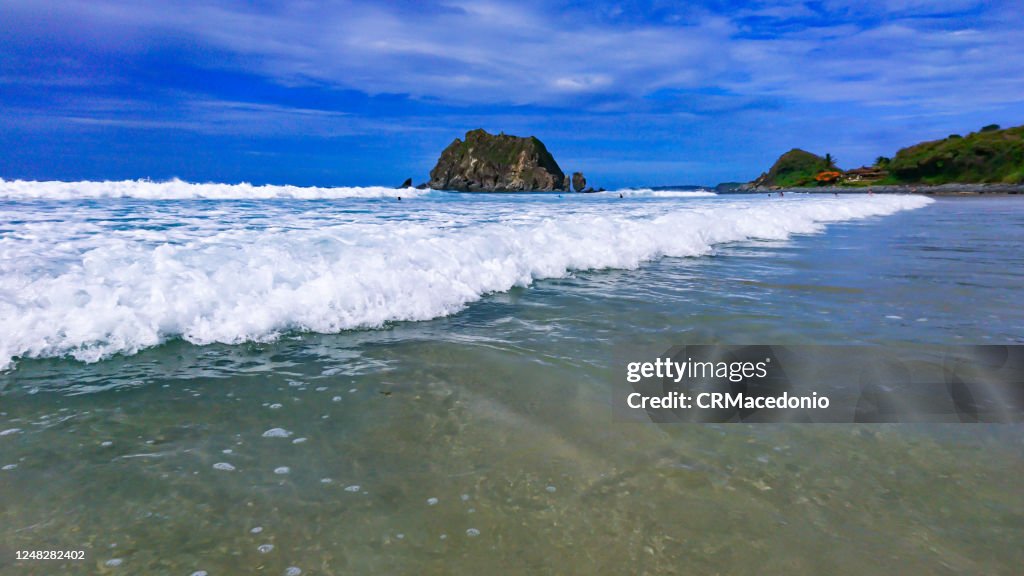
point(663, 193)
point(180, 190)
point(89, 280)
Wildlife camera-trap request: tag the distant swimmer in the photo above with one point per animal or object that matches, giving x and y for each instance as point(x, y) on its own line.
point(620, 195)
point(399, 198)
point(781, 193)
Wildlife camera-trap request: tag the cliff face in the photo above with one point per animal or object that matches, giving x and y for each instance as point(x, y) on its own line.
point(488, 163)
point(794, 168)
point(989, 156)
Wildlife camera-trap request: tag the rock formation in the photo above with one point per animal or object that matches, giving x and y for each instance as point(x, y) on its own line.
point(579, 181)
point(488, 163)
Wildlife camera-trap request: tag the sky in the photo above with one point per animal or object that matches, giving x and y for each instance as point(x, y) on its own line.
point(369, 93)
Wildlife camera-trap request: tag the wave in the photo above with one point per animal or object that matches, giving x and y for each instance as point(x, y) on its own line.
point(180, 190)
point(648, 192)
point(88, 288)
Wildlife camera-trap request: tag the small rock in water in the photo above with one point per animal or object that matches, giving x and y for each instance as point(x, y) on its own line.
point(472, 532)
point(352, 488)
point(431, 501)
point(106, 444)
point(299, 440)
point(256, 530)
point(282, 470)
point(277, 433)
point(336, 399)
point(200, 573)
point(114, 562)
point(9, 467)
point(227, 451)
point(551, 489)
point(223, 466)
point(9, 431)
point(264, 548)
point(321, 388)
point(292, 571)
point(326, 480)
point(276, 406)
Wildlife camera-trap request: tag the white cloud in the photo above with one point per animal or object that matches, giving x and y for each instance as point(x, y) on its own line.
point(500, 52)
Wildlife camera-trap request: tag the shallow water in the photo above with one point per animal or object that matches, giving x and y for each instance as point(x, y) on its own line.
point(484, 439)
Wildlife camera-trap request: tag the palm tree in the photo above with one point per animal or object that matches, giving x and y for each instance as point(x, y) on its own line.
point(829, 161)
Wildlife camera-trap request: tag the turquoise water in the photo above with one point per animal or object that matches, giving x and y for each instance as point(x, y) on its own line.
point(483, 440)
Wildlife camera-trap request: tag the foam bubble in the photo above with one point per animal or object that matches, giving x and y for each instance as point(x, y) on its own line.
point(176, 189)
point(663, 193)
point(89, 280)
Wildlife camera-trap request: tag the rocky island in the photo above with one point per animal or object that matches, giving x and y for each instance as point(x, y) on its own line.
point(486, 162)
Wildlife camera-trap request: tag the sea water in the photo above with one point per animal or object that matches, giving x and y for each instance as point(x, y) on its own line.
point(240, 379)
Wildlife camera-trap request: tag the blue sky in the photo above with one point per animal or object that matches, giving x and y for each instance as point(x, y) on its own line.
point(359, 93)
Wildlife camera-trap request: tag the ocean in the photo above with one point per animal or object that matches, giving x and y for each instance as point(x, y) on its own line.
point(221, 379)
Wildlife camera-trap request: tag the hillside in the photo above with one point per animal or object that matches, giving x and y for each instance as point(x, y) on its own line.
point(795, 168)
point(988, 156)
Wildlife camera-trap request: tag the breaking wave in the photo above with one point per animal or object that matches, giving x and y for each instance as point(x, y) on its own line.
point(648, 192)
point(89, 281)
point(180, 190)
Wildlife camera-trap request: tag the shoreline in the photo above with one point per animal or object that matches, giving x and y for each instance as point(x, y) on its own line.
point(937, 190)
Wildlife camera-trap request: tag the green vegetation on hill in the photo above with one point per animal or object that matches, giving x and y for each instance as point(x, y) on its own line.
point(501, 150)
point(988, 156)
point(796, 168)
point(491, 163)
